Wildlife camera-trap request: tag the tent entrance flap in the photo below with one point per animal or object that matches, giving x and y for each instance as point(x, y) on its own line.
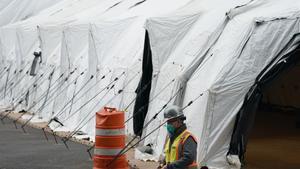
point(274, 141)
point(246, 116)
point(143, 89)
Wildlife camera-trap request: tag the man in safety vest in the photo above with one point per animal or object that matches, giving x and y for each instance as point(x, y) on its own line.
point(180, 149)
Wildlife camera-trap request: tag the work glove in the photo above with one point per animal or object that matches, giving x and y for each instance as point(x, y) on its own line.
point(160, 166)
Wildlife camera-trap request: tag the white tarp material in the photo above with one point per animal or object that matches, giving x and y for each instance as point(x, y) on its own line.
point(108, 39)
point(201, 23)
point(12, 56)
point(4, 4)
point(92, 53)
point(49, 34)
point(26, 37)
point(225, 69)
point(111, 57)
point(16, 10)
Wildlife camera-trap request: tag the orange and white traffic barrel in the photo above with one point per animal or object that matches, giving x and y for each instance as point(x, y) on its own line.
point(110, 140)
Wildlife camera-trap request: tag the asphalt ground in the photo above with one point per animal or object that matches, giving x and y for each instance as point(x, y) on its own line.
point(19, 150)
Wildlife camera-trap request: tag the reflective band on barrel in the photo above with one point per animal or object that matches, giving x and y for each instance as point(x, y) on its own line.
point(110, 132)
point(107, 152)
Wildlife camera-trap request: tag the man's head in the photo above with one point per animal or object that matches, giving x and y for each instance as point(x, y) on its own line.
point(176, 122)
point(175, 118)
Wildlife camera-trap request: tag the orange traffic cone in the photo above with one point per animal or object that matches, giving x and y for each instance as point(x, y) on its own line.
point(110, 140)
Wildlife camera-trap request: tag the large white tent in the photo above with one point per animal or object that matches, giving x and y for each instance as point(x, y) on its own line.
point(108, 37)
point(21, 39)
point(210, 59)
point(14, 12)
point(192, 31)
point(108, 56)
point(222, 71)
point(54, 34)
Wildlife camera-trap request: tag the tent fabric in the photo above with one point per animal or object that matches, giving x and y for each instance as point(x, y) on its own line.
point(104, 63)
point(50, 36)
point(219, 124)
point(119, 56)
point(186, 50)
point(53, 48)
point(259, 62)
point(184, 54)
point(143, 90)
point(70, 21)
point(4, 4)
point(53, 37)
point(17, 10)
point(28, 31)
point(217, 58)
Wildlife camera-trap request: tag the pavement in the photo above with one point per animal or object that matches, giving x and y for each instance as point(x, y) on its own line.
point(19, 150)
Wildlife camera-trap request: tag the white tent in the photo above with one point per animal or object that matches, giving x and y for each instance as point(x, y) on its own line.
point(54, 35)
point(19, 40)
point(56, 26)
point(176, 41)
point(106, 52)
point(222, 72)
point(108, 38)
point(45, 30)
point(75, 53)
point(11, 53)
point(213, 55)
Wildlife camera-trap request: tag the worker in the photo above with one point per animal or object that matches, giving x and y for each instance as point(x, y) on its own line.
point(180, 149)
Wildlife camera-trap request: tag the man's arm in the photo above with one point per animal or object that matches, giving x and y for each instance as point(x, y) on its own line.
point(189, 154)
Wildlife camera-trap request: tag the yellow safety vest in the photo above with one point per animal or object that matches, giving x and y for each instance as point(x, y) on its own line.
point(177, 149)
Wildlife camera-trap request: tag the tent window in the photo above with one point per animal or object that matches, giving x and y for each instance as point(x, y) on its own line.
point(143, 89)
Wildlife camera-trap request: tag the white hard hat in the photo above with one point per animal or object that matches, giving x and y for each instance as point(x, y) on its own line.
point(172, 112)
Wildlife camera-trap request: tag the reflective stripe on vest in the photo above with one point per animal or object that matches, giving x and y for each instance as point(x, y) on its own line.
point(110, 132)
point(177, 149)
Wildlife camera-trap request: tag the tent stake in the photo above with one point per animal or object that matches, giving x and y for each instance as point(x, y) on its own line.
point(15, 123)
point(23, 129)
point(5, 116)
point(89, 151)
point(45, 134)
point(65, 143)
point(54, 135)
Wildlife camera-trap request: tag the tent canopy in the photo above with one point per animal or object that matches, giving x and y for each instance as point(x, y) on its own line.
point(151, 53)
